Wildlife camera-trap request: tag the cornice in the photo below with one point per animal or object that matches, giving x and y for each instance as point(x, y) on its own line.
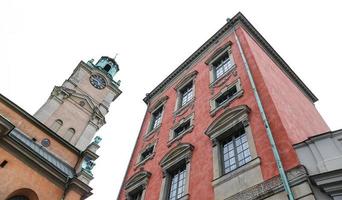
point(40, 125)
point(238, 18)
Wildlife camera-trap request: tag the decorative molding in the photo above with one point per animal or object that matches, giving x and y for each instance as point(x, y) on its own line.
point(227, 120)
point(158, 103)
point(186, 79)
point(272, 186)
point(218, 51)
point(40, 125)
point(236, 20)
point(176, 155)
point(138, 179)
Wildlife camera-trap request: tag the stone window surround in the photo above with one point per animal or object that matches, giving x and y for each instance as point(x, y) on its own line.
point(224, 48)
point(155, 106)
point(218, 129)
point(172, 139)
point(238, 94)
point(190, 77)
point(181, 154)
point(142, 162)
point(136, 182)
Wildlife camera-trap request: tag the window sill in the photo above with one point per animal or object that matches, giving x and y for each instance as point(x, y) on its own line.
point(184, 197)
point(216, 81)
point(230, 175)
point(226, 104)
point(180, 136)
point(151, 132)
point(180, 110)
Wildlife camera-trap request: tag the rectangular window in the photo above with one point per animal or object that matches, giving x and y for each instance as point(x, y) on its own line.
point(222, 65)
point(181, 128)
point(136, 196)
point(156, 118)
point(226, 96)
point(235, 151)
point(186, 94)
point(146, 153)
point(177, 184)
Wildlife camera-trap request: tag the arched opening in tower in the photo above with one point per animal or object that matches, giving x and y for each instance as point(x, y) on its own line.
point(107, 68)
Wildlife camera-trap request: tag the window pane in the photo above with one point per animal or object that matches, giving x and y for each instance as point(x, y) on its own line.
point(222, 67)
point(177, 184)
point(235, 151)
point(156, 118)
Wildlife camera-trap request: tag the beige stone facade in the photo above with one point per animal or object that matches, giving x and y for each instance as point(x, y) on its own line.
point(50, 156)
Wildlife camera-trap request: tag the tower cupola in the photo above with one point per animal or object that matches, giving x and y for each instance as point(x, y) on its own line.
point(108, 65)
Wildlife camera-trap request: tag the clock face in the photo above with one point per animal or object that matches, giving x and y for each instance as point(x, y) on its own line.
point(97, 81)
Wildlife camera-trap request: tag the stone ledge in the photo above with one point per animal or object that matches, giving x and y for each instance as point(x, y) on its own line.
point(271, 186)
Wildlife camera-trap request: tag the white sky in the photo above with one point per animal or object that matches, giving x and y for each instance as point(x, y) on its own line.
point(41, 42)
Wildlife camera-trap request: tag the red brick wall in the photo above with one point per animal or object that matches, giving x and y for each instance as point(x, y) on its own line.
point(201, 172)
point(297, 113)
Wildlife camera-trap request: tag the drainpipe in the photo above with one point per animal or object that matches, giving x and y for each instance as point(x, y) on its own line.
point(66, 186)
point(267, 126)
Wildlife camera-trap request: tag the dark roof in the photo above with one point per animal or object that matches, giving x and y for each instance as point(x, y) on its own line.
point(42, 152)
point(230, 24)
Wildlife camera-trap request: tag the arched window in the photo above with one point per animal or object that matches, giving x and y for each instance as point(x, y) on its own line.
point(18, 198)
point(23, 194)
point(69, 134)
point(57, 125)
point(107, 68)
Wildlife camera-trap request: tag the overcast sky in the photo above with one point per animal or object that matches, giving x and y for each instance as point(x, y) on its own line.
point(41, 42)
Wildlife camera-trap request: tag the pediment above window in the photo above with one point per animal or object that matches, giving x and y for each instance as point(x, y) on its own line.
point(218, 52)
point(176, 155)
point(227, 120)
point(139, 179)
point(190, 76)
point(83, 101)
point(158, 103)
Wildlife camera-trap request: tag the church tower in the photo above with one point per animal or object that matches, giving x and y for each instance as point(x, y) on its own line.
point(76, 109)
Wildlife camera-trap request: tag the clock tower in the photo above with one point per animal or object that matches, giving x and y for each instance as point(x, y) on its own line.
point(76, 109)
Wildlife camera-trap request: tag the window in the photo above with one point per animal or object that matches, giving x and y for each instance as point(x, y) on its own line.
point(234, 155)
point(57, 125)
point(148, 152)
point(185, 89)
point(176, 168)
point(183, 127)
point(136, 196)
point(18, 198)
point(177, 185)
point(226, 96)
point(222, 64)
point(107, 68)
point(135, 186)
point(156, 118)
point(235, 150)
point(186, 94)
point(69, 134)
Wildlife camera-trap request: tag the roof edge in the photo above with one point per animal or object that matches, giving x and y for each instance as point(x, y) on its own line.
point(239, 17)
point(40, 125)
